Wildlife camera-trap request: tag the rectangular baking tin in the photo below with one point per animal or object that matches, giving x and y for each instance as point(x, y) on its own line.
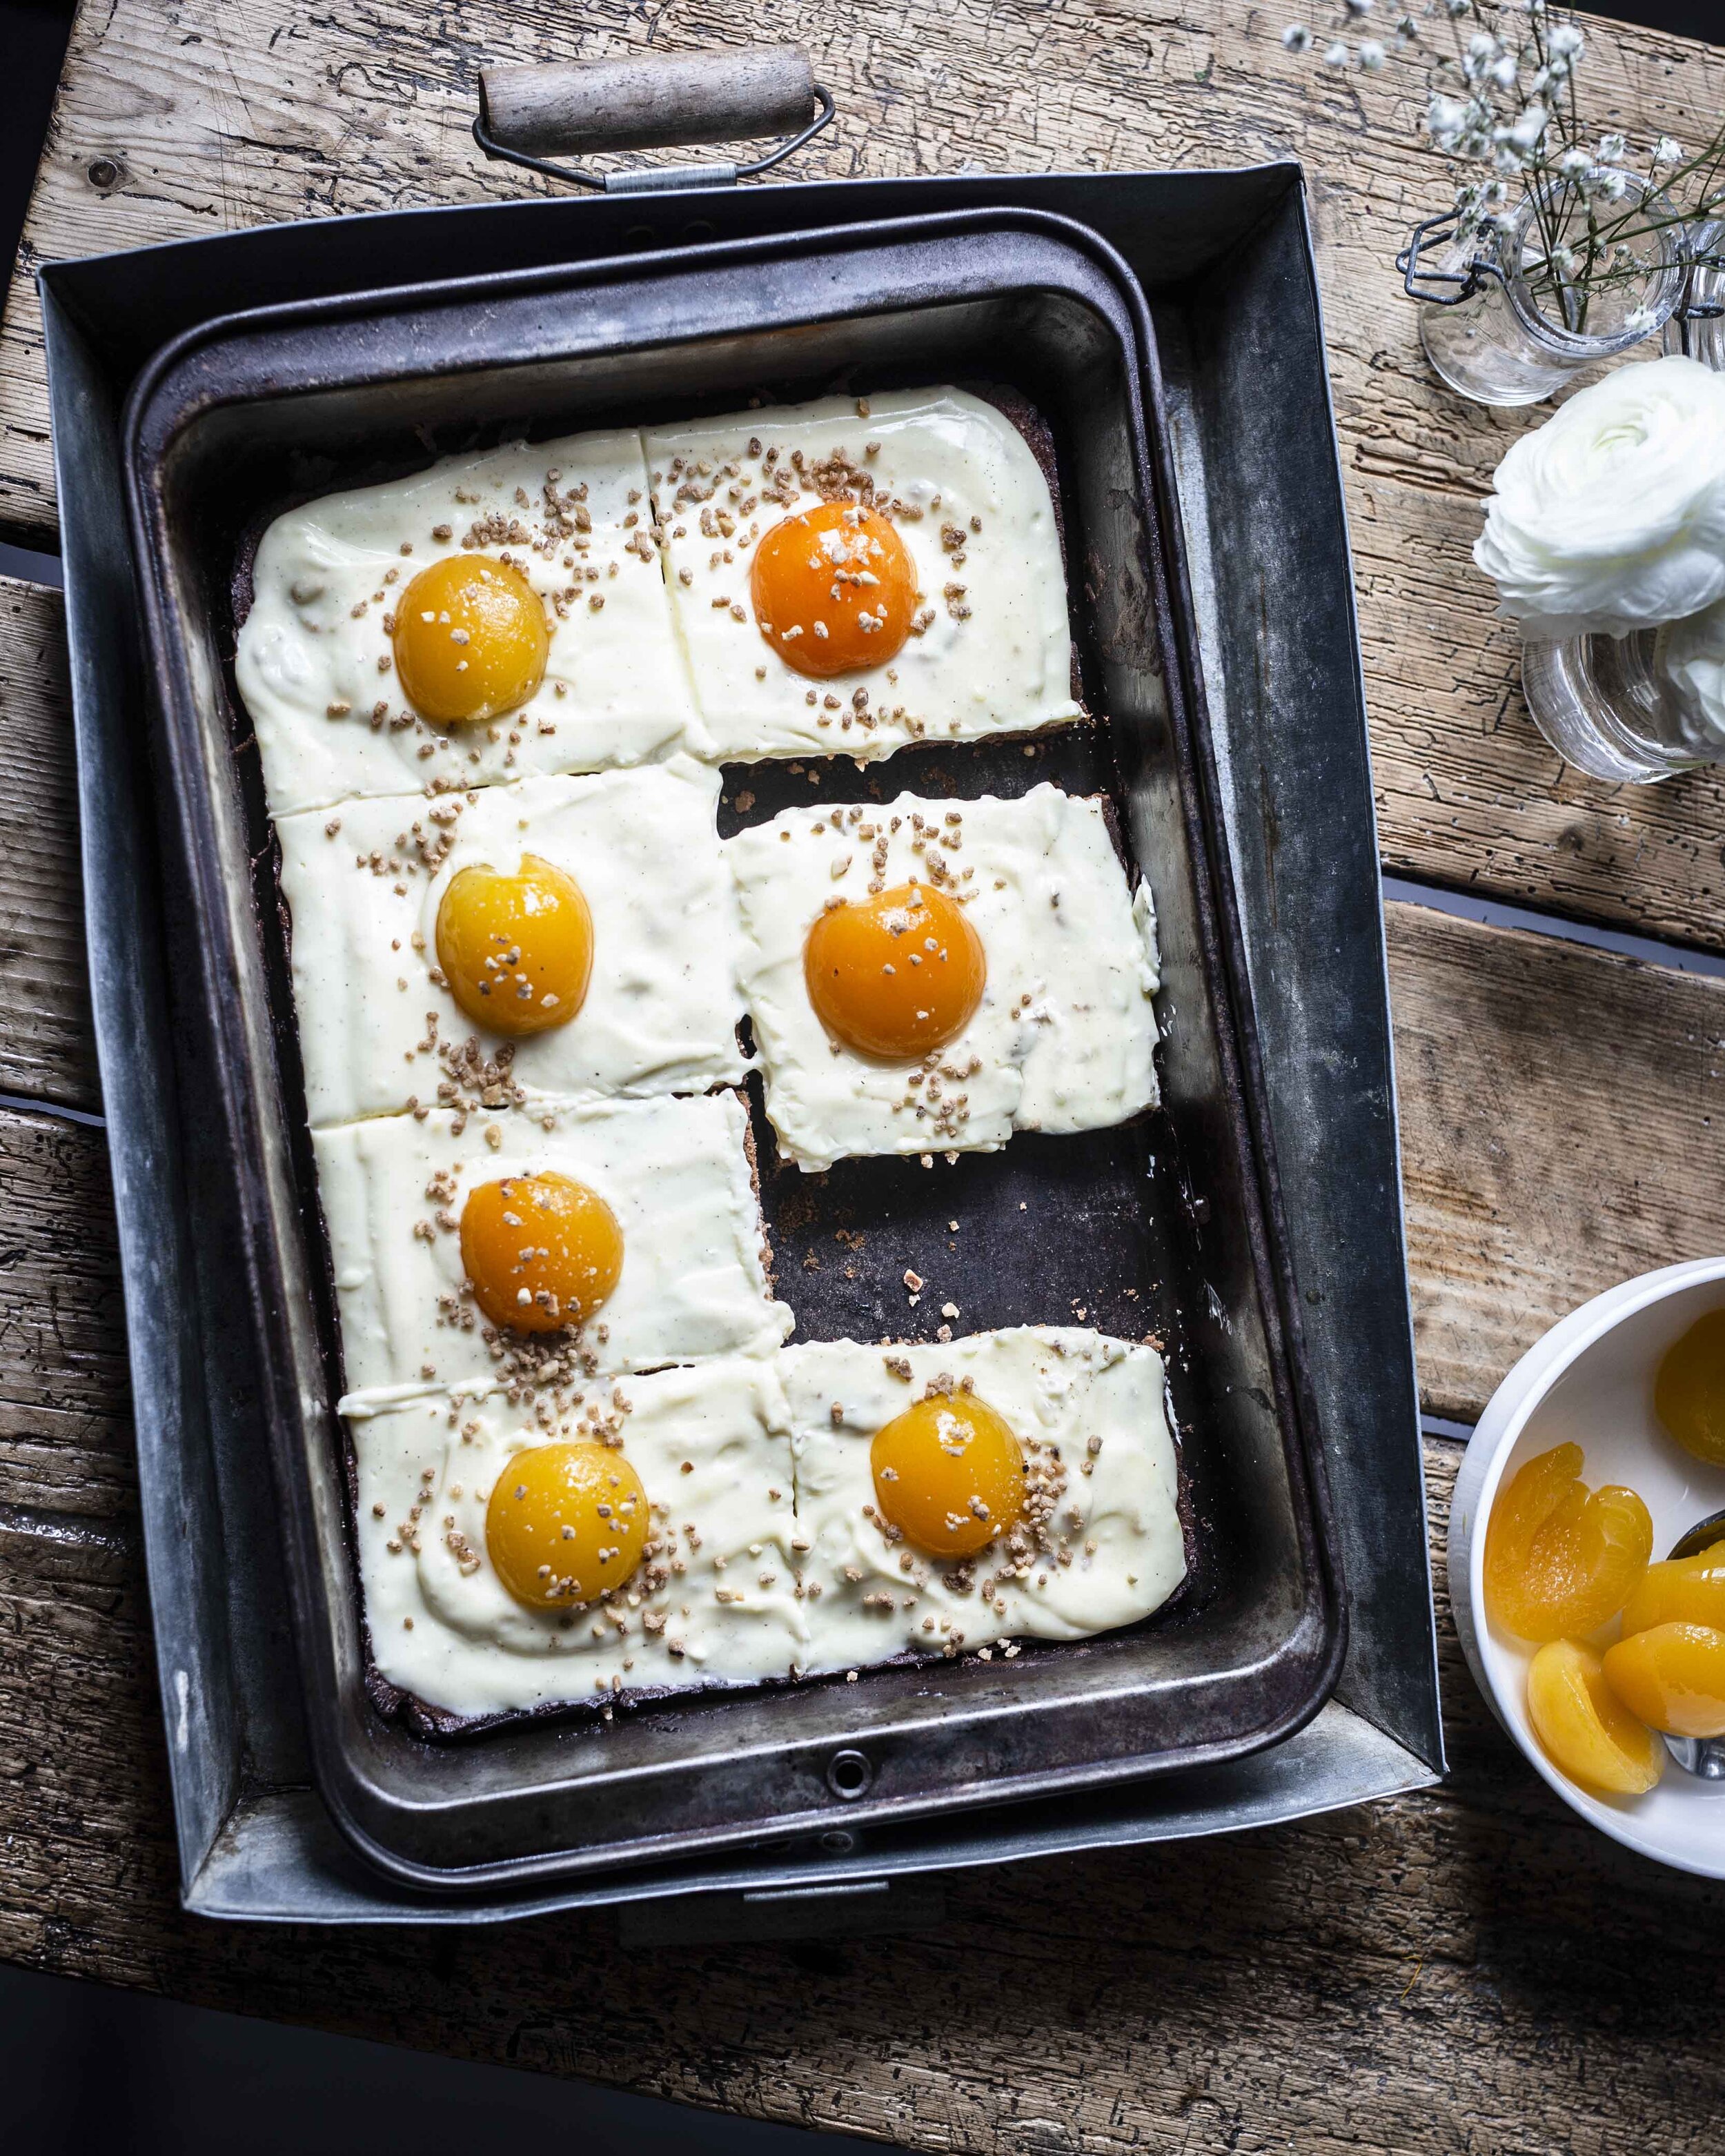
point(221, 429)
point(249, 1843)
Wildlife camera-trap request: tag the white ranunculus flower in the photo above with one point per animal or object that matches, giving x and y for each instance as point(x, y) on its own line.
point(1612, 515)
point(1692, 653)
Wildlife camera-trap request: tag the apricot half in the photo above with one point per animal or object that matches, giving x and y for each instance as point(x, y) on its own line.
point(1560, 1559)
point(541, 1251)
point(949, 1474)
point(1673, 1677)
point(1684, 1590)
point(897, 975)
point(471, 639)
point(1689, 1390)
point(1587, 1731)
point(516, 950)
point(564, 1522)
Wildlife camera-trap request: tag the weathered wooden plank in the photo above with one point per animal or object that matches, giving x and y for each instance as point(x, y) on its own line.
point(201, 115)
point(1563, 1116)
point(65, 1447)
point(1472, 1970)
point(46, 1050)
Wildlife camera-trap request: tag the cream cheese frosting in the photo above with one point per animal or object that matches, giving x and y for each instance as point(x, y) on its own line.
point(993, 651)
point(377, 1024)
point(677, 1175)
point(1064, 1037)
point(314, 664)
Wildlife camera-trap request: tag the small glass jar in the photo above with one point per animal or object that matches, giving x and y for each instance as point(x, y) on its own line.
point(1610, 706)
point(1697, 331)
point(1499, 345)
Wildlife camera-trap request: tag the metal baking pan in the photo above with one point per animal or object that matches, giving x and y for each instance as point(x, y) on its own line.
point(215, 427)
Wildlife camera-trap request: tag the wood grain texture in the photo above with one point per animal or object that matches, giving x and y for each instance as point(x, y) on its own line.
point(64, 1383)
point(1563, 1115)
point(46, 1050)
point(185, 116)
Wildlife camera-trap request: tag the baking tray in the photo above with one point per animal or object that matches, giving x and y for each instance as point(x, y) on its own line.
point(1224, 254)
point(1177, 1216)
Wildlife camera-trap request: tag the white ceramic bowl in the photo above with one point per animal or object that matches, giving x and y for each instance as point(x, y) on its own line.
point(1590, 1381)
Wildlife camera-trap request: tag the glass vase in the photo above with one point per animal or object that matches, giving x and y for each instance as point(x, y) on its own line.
point(1696, 331)
point(1501, 344)
point(1608, 705)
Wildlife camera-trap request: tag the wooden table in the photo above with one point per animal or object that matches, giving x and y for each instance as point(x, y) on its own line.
point(1466, 1969)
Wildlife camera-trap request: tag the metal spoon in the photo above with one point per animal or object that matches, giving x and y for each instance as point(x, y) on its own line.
point(1701, 1756)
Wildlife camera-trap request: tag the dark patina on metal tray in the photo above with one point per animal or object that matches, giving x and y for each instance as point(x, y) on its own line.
point(215, 427)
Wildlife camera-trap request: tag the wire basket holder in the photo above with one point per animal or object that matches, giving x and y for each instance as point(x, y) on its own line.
point(1697, 301)
point(530, 115)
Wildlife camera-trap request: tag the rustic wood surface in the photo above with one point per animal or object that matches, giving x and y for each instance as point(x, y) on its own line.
point(177, 117)
point(1465, 1970)
point(45, 1048)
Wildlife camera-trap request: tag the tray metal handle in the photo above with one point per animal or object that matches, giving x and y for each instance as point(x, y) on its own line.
point(529, 115)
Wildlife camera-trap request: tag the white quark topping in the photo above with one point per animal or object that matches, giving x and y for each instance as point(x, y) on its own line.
point(715, 1602)
point(675, 1172)
point(1089, 1411)
point(992, 651)
point(1064, 1037)
point(315, 663)
point(766, 1557)
point(378, 1027)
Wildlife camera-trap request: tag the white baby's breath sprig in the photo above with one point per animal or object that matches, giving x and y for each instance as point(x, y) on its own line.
point(1498, 98)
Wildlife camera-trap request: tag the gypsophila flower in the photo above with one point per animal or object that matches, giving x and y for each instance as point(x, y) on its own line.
point(1446, 118)
point(1498, 96)
point(1529, 128)
point(1640, 318)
